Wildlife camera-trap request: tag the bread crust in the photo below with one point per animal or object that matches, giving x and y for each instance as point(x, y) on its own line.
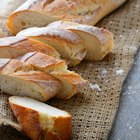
point(98, 41)
point(86, 12)
point(43, 62)
point(37, 127)
point(71, 84)
point(68, 44)
point(24, 45)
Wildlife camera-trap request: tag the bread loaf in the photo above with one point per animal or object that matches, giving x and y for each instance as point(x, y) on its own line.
point(68, 44)
point(33, 84)
point(12, 47)
point(71, 84)
point(34, 62)
point(40, 121)
point(98, 41)
point(42, 62)
point(39, 13)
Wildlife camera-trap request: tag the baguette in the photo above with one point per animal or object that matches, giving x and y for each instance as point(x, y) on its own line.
point(42, 62)
point(33, 84)
point(70, 81)
point(40, 121)
point(98, 41)
point(12, 47)
point(71, 84)
point(11, 66)
point(39, 13)
point(68, 44)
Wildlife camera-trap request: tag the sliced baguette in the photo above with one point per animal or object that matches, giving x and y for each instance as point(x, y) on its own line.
point(98, 41)
point(11, 66)
point(3, 63)
point(41, 121)
point(43, 62)
point(12, 47)
point(68, 44)
point(36, 61)
point(71, 84)
point(71, 81)
point(33, 84)
point(38, 13)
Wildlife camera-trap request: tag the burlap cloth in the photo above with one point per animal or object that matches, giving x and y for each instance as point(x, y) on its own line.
point(94, 110)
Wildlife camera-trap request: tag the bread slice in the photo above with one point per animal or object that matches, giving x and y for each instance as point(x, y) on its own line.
point(12, 47)
point(38, 13)
point(43, 62)
point(68, 44)
point(11, 66)
point(33, 84)
point(98, 41)
point(71, 81)
point(41, 121)
point(3, 63)
point(71, 84)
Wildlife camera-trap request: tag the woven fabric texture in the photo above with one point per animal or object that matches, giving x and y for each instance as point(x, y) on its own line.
point(93, 110)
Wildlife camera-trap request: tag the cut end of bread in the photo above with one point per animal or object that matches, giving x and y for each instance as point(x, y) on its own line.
point(68, 44)
point(15, 46)
point(98, 41)
point(34, 84)
point(71, 83)
point(43, 62)
point(21, 20)
point(40, 120)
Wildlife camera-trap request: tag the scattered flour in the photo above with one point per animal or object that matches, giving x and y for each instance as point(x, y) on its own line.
point(131, 90)
point(137, 6)
point(121, 36)
point(119, 72)
point(95, 87)
point(104, 71)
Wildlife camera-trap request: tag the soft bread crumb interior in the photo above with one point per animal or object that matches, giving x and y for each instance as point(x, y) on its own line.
point(17, 86)
point(37, 106)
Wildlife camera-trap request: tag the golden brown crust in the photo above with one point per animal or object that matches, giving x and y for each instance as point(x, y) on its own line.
point(63, 127)
point(12, 66)
point(67, 43)
point(3, 63)
point(31, 45)
point(98, 41)
point(86, 12)
point(31, 123)
point(25, 45)
point(71, 84)
point(29, 120)
point(45, 62)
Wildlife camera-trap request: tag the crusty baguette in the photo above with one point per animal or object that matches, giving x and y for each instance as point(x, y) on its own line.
point(12, 47)
point(37, 85)
point(68, 44)
point(3, 63)
point(38, 13)
point(71, 81)
point(71, 84)
point(11, 66)
point(43, 62)
point(40, 121)
point(98, 41)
